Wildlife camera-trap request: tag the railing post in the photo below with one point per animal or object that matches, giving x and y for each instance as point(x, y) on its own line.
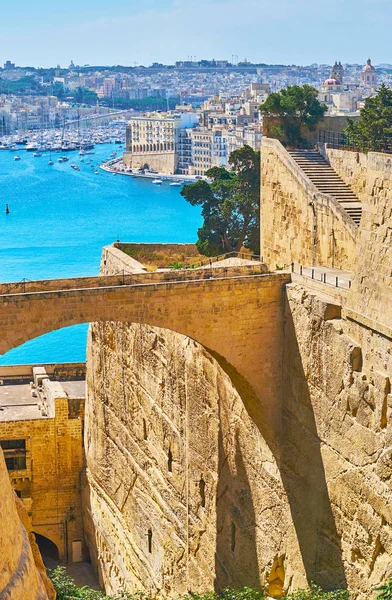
point(292, 267)
point(300, 270)
point(325, 278)
point(337, 281)
point(349, 284)
point(312, 273)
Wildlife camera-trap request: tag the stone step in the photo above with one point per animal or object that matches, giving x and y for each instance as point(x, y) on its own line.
point(327, 181)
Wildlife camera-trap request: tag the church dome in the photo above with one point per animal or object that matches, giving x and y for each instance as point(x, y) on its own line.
point(368, 66)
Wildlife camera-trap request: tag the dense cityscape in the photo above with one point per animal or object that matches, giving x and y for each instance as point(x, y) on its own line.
point(182, 119)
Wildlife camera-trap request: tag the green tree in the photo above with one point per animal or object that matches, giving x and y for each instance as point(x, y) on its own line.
point(296, 110)
point(373, 130)
point(85, 96)
point(230, 205)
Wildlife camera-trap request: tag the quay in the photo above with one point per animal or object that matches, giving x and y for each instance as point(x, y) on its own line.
point(110, 167)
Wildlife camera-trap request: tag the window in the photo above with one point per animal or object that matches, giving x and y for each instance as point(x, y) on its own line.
point(170, 461)
point(14, 454)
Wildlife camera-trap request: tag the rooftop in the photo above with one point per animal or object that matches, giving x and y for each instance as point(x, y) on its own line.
point(17, 402)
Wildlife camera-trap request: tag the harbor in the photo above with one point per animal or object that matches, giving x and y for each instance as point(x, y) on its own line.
point(60, 218)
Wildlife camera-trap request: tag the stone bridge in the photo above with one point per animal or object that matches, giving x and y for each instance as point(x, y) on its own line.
point(234, 312)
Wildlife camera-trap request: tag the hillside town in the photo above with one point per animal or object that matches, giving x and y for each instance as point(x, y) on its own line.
point(182, 119)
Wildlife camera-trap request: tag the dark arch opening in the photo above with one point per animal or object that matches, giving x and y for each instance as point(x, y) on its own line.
point(47, 548)
point(202, 489)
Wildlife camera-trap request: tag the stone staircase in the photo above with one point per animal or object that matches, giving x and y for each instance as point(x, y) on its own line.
point(327, 181)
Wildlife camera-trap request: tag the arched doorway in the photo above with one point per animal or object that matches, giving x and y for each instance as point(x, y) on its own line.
point(49, 551)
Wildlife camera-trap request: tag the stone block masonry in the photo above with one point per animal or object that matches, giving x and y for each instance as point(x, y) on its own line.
point(48, 477)
point(22, 574)
point(298, 223)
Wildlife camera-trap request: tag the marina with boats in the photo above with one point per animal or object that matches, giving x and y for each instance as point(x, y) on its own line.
point(47, 142)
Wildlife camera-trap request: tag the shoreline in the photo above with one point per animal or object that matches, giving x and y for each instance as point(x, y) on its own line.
point(109, 168)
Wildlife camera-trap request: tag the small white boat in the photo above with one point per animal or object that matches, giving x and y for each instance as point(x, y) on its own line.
point(157, 181)
point(176, 183)
point(96, 172)
point(51, 163)
point(37, 154)
point(16, 157)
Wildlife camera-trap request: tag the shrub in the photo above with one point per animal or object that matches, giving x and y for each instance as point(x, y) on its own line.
point(386, 591)
point(316, 593)
point(245, 593)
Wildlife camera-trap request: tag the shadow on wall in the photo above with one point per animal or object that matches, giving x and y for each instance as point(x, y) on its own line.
point(302, 471)
point(297, 452)
point(236, 561)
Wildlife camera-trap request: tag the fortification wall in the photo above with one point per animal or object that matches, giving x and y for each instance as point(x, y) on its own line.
point(217, 514)
point(298, 223)
point(22, 574)
point(336, 443)
point(371, 176)
point(174, 460)
point(163, 162)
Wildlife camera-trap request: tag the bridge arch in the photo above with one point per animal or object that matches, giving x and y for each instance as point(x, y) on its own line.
point(238, 320)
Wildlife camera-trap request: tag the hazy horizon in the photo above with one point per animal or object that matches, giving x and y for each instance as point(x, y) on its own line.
point(273, 32)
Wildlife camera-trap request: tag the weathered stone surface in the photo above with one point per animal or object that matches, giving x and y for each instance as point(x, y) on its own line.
point(370, 175)
point(171, 449)
point(166, 427)
point(21, 574)
point(336, 463)
point(297, 222)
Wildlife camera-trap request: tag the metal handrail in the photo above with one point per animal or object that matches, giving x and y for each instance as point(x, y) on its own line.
point(322, 277)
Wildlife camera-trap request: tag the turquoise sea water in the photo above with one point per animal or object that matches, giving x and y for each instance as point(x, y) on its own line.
point(59, 221)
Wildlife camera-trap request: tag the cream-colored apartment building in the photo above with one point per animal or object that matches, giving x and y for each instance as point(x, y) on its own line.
point(152, 140)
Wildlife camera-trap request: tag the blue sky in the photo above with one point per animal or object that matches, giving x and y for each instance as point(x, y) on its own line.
point(44, 33)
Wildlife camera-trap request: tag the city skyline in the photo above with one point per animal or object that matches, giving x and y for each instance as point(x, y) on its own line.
point(260, 31)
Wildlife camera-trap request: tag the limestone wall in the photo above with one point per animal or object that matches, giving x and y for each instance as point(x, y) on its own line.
point(218, 513)
point(298, 223)
point(20, 575)
point(49, 485)
point(163, 162)
point(173, 457)
point(336, 443)
point(371, 176)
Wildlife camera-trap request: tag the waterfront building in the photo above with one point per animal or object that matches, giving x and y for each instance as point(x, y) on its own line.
point(209, 149)
point(152, 141)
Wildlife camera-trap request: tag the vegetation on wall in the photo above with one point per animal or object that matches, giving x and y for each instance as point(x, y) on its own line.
point(230, 205)
point(373, 130)
point(67, 590)
point(296, 110)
